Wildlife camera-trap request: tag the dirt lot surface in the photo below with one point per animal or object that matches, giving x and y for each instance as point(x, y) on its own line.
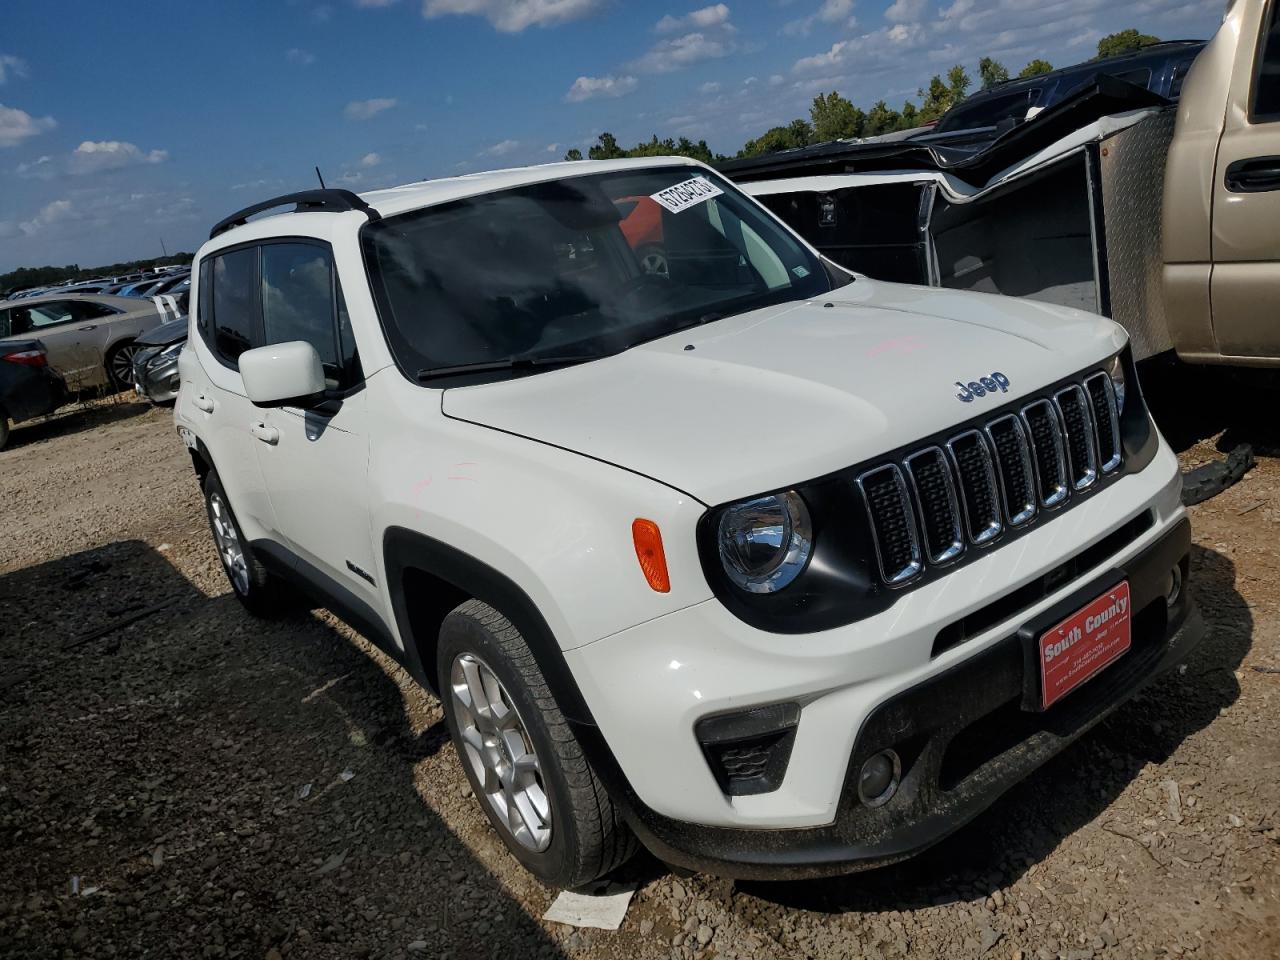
point(200, 784)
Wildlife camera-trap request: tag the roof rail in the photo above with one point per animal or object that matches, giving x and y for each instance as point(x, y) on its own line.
point(327, 201)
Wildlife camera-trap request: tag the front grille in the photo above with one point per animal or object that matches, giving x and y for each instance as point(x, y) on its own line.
point(944, 498)
point(893, 525)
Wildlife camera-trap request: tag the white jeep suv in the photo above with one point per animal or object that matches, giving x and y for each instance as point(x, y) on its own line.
point(701, 541)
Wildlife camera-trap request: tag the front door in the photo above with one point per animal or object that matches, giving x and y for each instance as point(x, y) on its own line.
point(1246, 206)
point(315, 461)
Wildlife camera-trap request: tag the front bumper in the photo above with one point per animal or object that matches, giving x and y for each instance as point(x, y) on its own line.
point(158, 382)
point(906, 670)
point(965, 740)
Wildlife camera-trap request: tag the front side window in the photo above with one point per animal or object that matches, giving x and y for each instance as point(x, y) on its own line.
point(234, 278)
point(1266, 84)
point(301, 301)
point(576, 268)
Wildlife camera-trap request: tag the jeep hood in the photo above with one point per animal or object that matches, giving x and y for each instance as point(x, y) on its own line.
point(784, 394)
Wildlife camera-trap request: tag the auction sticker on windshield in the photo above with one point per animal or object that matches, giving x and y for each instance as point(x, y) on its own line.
point(1084, 643)
point(688, 194)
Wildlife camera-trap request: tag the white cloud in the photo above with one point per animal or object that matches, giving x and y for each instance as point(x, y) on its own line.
point(322, 13)
point(18, 125)
point(370, 160)
point(52, 213)
point(11, 64)
point(587, 88)
point(512, 16)
point(553, 148)
point(374, 3)
point(707, 17)
point(667, 56)
point(255, 184)
point(710, 86)
point(41, 168)
point(905, 11)
point(500, 149)
point(831, 13)
point(301, 57)
point(364, 109)
point(95, 156)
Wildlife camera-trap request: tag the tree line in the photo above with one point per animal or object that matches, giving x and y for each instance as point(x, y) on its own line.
point(834, 117)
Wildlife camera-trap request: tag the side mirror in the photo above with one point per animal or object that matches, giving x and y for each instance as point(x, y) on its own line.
point(282, 374)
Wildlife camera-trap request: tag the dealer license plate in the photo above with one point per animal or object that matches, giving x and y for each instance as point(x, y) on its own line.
point(1086, 642)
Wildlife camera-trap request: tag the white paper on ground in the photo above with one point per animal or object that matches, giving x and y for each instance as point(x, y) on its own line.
point(602, 906)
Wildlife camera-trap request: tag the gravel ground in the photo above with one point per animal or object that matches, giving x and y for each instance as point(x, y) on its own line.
point(200, 784)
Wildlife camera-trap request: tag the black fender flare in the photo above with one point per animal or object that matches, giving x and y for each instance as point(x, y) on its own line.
point(405, 550)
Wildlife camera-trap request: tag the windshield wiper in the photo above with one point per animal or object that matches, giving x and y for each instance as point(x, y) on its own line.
point(511, 363)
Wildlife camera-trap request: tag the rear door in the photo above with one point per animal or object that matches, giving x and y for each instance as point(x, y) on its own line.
point(228, 322)
point(1245, 286)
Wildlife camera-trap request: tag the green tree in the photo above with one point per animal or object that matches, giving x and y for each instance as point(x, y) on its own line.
point(934, 100)
point(573, 154)
point(606, 148)
point(835, 118)
point(992, 72)
point(1124, 41)
point(778, 138)
point(1035, 68)
point(880, 119)
point(910, 116)
point(957, 83)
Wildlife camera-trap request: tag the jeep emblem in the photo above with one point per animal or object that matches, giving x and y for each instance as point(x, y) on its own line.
point(982, 386)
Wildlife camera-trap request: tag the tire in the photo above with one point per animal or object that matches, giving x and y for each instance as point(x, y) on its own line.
point(577, 835)
point(262, 593)
point(120, 365)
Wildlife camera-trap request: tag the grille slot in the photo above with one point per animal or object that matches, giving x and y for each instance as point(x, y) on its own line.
point(977, 485)
point(1106, 420)
point(1013, 459)
point(1041, 418)
point(893, 525)
point(943, 497)
point(935, 495)
point(1081, 452)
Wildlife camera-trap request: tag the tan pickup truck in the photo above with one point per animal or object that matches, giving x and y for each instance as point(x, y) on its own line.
point(1222, 196)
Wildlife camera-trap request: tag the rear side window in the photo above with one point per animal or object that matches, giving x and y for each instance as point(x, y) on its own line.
point(234, 302)
point(1266, 84)
point(88, 310)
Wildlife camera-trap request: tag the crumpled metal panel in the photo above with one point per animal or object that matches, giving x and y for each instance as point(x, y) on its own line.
point(1132, 174)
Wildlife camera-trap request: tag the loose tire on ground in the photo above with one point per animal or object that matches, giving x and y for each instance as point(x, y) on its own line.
point(588, 837)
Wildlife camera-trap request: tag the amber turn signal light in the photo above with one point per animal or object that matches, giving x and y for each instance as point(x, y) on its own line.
point(653, 560)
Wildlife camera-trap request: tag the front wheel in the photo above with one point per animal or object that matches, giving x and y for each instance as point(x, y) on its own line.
point(521, 757)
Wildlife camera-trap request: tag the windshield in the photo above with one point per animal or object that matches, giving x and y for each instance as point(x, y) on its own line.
point(577, 268)
point(990, 110)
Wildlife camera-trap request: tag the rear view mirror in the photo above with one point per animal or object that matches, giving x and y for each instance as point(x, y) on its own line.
point(282, 374)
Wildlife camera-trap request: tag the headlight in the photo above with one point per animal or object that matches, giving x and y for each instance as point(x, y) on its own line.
point(168, 353)
point(765, 542)
point(1115, 370)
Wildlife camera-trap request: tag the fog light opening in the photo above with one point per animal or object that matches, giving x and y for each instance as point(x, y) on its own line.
point(878, 778)
point(1173, 587)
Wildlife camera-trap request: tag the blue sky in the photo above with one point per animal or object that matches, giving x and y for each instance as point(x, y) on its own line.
point(125, 122)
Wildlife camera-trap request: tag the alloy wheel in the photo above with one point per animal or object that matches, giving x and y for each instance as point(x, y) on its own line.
point(228, 543)
point(121, 368)
point(500, 752)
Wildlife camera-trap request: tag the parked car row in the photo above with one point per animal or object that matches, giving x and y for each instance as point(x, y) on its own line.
point(169, 280)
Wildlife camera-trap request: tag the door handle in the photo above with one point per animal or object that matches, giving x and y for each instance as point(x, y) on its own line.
point(203, 403)
point(1254, 175)
point(265, 433)
point(92, 326)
